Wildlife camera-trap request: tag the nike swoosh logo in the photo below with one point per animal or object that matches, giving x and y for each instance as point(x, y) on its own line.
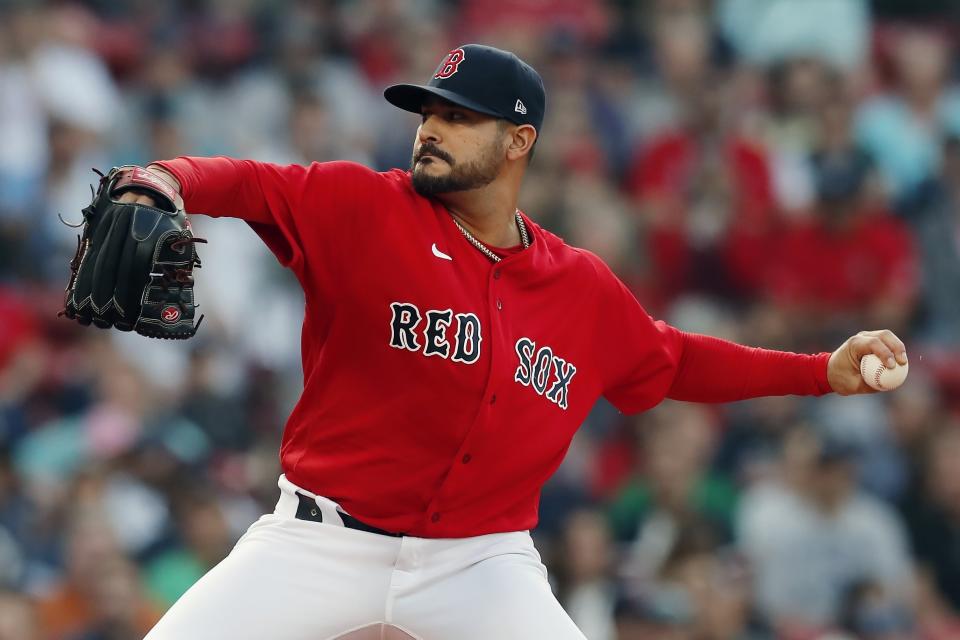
point(438, 253)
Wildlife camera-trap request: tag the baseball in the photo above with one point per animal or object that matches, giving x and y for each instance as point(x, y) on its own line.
point(879, 377)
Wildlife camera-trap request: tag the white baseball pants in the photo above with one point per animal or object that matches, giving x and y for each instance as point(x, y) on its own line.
point(290, 579)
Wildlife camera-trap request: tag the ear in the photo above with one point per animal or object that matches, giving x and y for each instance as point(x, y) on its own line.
point(521, 141)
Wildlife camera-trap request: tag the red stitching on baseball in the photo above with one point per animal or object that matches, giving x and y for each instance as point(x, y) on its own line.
point(876, 374)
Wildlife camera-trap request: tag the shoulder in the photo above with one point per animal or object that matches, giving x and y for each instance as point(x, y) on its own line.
point(359, 180)
point(559, 254)
point(594, 265)
point(582, 271)
point(346, 169)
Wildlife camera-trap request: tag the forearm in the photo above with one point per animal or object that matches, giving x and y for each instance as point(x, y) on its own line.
point(714, 370)
point(218, 186)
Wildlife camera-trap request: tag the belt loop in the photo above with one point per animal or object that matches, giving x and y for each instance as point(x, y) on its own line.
point(287, 504)
point(329, 510)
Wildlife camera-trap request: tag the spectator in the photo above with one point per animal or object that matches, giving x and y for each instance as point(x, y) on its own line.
point(751, 445)
point(934, 523)
point(905, 127)
point(504, 18)
point(21, 356)
point(587, 588)
point(916, 415)
point(826, 275)
point(18, 619)
point(812, 536)
point(799, 89)
point(768, 31)
point(724, 157)
point(699, 592)
point(682, 63)
point(206, 540)
point(119, 610)
point(936, 620)
point(715, 583)
point(871, 614)
point(672, 483)
point(74, 606)
point(934, 216)
point(705, 197)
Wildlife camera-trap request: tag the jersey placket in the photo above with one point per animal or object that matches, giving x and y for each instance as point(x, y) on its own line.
point(461, 467)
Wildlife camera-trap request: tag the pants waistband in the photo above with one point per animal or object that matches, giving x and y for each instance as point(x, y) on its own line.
point(303, 505)
point(307, 509)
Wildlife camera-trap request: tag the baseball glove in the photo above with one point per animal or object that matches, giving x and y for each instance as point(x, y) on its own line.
point(133, 269)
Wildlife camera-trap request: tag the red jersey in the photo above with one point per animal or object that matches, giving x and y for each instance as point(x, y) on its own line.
point(665, 172)
point(441, 390)
point(841, 270)
point(666, 168)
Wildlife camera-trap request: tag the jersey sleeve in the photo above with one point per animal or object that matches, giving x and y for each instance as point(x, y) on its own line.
point(644, 361)
point(288, 206)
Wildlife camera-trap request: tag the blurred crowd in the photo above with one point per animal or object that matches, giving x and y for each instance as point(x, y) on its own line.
point(782, 173)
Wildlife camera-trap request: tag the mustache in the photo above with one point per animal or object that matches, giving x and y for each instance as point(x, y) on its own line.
point(431, 149)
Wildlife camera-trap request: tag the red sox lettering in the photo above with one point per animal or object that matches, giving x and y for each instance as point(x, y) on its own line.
point(534, 371)
point(403, 335)
point(534, 368)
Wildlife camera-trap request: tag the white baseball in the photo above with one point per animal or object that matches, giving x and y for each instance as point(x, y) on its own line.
point(878, 377)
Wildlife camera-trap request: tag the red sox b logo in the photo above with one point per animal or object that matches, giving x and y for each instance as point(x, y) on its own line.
point(449, 65)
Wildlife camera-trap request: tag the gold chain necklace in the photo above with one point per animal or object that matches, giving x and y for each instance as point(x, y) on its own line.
point(521, 226)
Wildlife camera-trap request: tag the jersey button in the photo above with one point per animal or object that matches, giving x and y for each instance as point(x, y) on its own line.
point(499, 304)
point(466, 458)
point(496, 274)
point(435, 517)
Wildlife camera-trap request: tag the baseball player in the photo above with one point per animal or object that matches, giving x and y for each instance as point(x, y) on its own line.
point(451, 348)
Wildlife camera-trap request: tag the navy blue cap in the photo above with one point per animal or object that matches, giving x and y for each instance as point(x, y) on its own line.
point(481, 78)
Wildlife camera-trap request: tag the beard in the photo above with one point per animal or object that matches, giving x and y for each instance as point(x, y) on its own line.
point(461, 177)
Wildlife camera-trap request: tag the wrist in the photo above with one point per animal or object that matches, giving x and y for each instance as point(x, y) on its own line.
point(165, 176)
point(822, 370)
point(147, 182)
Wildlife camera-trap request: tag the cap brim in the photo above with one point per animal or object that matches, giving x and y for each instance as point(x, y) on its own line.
point(410, 97)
